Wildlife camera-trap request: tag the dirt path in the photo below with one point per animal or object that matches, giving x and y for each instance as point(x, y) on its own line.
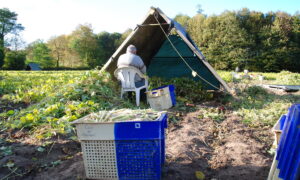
point(224, 150)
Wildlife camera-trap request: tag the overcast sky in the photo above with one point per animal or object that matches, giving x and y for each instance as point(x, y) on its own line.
point(43, 19)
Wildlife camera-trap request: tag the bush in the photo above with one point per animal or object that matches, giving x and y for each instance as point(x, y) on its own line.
point(14, 60)
point(225, 75)
point(66, 68)
point(256, 91)
point(288, 78)
point(186, 89)
point(1, 57)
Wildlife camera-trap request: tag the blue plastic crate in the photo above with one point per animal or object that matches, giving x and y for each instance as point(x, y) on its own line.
point(123, 150)
point(163, 141)
point(139, 159)
point(140, 148)
point(288, 155)
point(282, 121)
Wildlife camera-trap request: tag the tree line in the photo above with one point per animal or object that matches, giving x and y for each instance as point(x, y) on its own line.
point(81, 48)
point(246, 39)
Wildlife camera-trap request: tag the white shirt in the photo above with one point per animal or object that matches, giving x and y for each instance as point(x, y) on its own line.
point(130, 59)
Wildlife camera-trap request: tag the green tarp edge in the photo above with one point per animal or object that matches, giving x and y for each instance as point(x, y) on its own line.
point(167, 64)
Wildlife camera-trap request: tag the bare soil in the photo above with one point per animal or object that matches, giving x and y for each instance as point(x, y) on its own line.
point(6, 105)
point(225, 150)
point(220, 150)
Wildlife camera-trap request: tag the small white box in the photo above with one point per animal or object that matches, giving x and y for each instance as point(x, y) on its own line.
point(160, 99)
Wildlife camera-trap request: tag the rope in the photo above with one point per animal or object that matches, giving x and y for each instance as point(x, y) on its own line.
point(194, 73)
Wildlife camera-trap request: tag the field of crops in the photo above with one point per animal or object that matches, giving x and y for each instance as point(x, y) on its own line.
point(54, 98)
point(39, 106)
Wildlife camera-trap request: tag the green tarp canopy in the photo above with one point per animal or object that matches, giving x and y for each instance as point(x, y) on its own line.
point(150, 39)
point(168, 64)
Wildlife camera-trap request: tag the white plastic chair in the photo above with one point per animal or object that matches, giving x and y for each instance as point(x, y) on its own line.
point(126, 76)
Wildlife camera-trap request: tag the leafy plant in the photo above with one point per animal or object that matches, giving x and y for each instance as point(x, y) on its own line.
point(288, 78)
point(5, 151)
point(186, 89)
point(57, 105)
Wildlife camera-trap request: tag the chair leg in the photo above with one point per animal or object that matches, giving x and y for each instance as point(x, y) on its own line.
point(147, 96)
point(137, 97)
point(122, 92)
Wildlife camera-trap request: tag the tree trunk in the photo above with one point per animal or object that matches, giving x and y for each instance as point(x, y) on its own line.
point(2, 55)
point(57, 62)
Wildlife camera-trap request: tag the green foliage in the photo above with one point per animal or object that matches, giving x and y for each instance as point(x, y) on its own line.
point(256, 92)
point(257, 107)
point(5, 151)
point(83, 42)
point(38, 52)
point(282, 78)
point(64, 68)
point(15, 60)
point(182, 19)
point(8, 24)
point(107, 45)
point(83, 48)
point(248, 39)
point(287, 78)
point(186, 90)
point(58, 46)
point(124, 36)
point(225, 75)
point(1, 56)
point(56, 99)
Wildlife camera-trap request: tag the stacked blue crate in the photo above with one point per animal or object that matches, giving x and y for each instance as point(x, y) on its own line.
point(288, 154)
point(140, 148)
point(123, 150)
point(163, 142)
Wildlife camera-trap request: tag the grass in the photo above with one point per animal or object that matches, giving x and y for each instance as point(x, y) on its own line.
point(54, 99)
point(282, 78)
point(257, 106)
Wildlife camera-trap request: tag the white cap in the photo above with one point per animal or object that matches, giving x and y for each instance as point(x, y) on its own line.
point(131, 48)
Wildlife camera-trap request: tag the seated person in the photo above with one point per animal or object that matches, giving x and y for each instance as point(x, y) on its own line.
point(131, 59)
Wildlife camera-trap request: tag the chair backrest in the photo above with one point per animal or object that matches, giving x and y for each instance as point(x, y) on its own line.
point(127, 75)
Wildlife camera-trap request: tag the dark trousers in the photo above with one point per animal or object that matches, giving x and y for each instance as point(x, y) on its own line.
point(142, 95)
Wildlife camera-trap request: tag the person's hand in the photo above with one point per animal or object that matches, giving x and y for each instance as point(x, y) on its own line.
point(145, 76)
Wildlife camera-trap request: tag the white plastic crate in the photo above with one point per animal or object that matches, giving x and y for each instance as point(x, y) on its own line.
point(100, 159)
point(159, 99)
point(95, 131)
point(123, 150)
point(277, 133)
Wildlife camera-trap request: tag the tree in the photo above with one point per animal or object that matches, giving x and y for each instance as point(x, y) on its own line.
point(15, 42)
point(58, 46)
point(8, 24)
point(295, 44)
point(38, 52)
point(124, 35)
point(199, 9)
point(196, 29)
point(15, 60)
point(107, 44)
point(182, 19)
point(83, 42)
point(220, 37)
point(278, 45)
